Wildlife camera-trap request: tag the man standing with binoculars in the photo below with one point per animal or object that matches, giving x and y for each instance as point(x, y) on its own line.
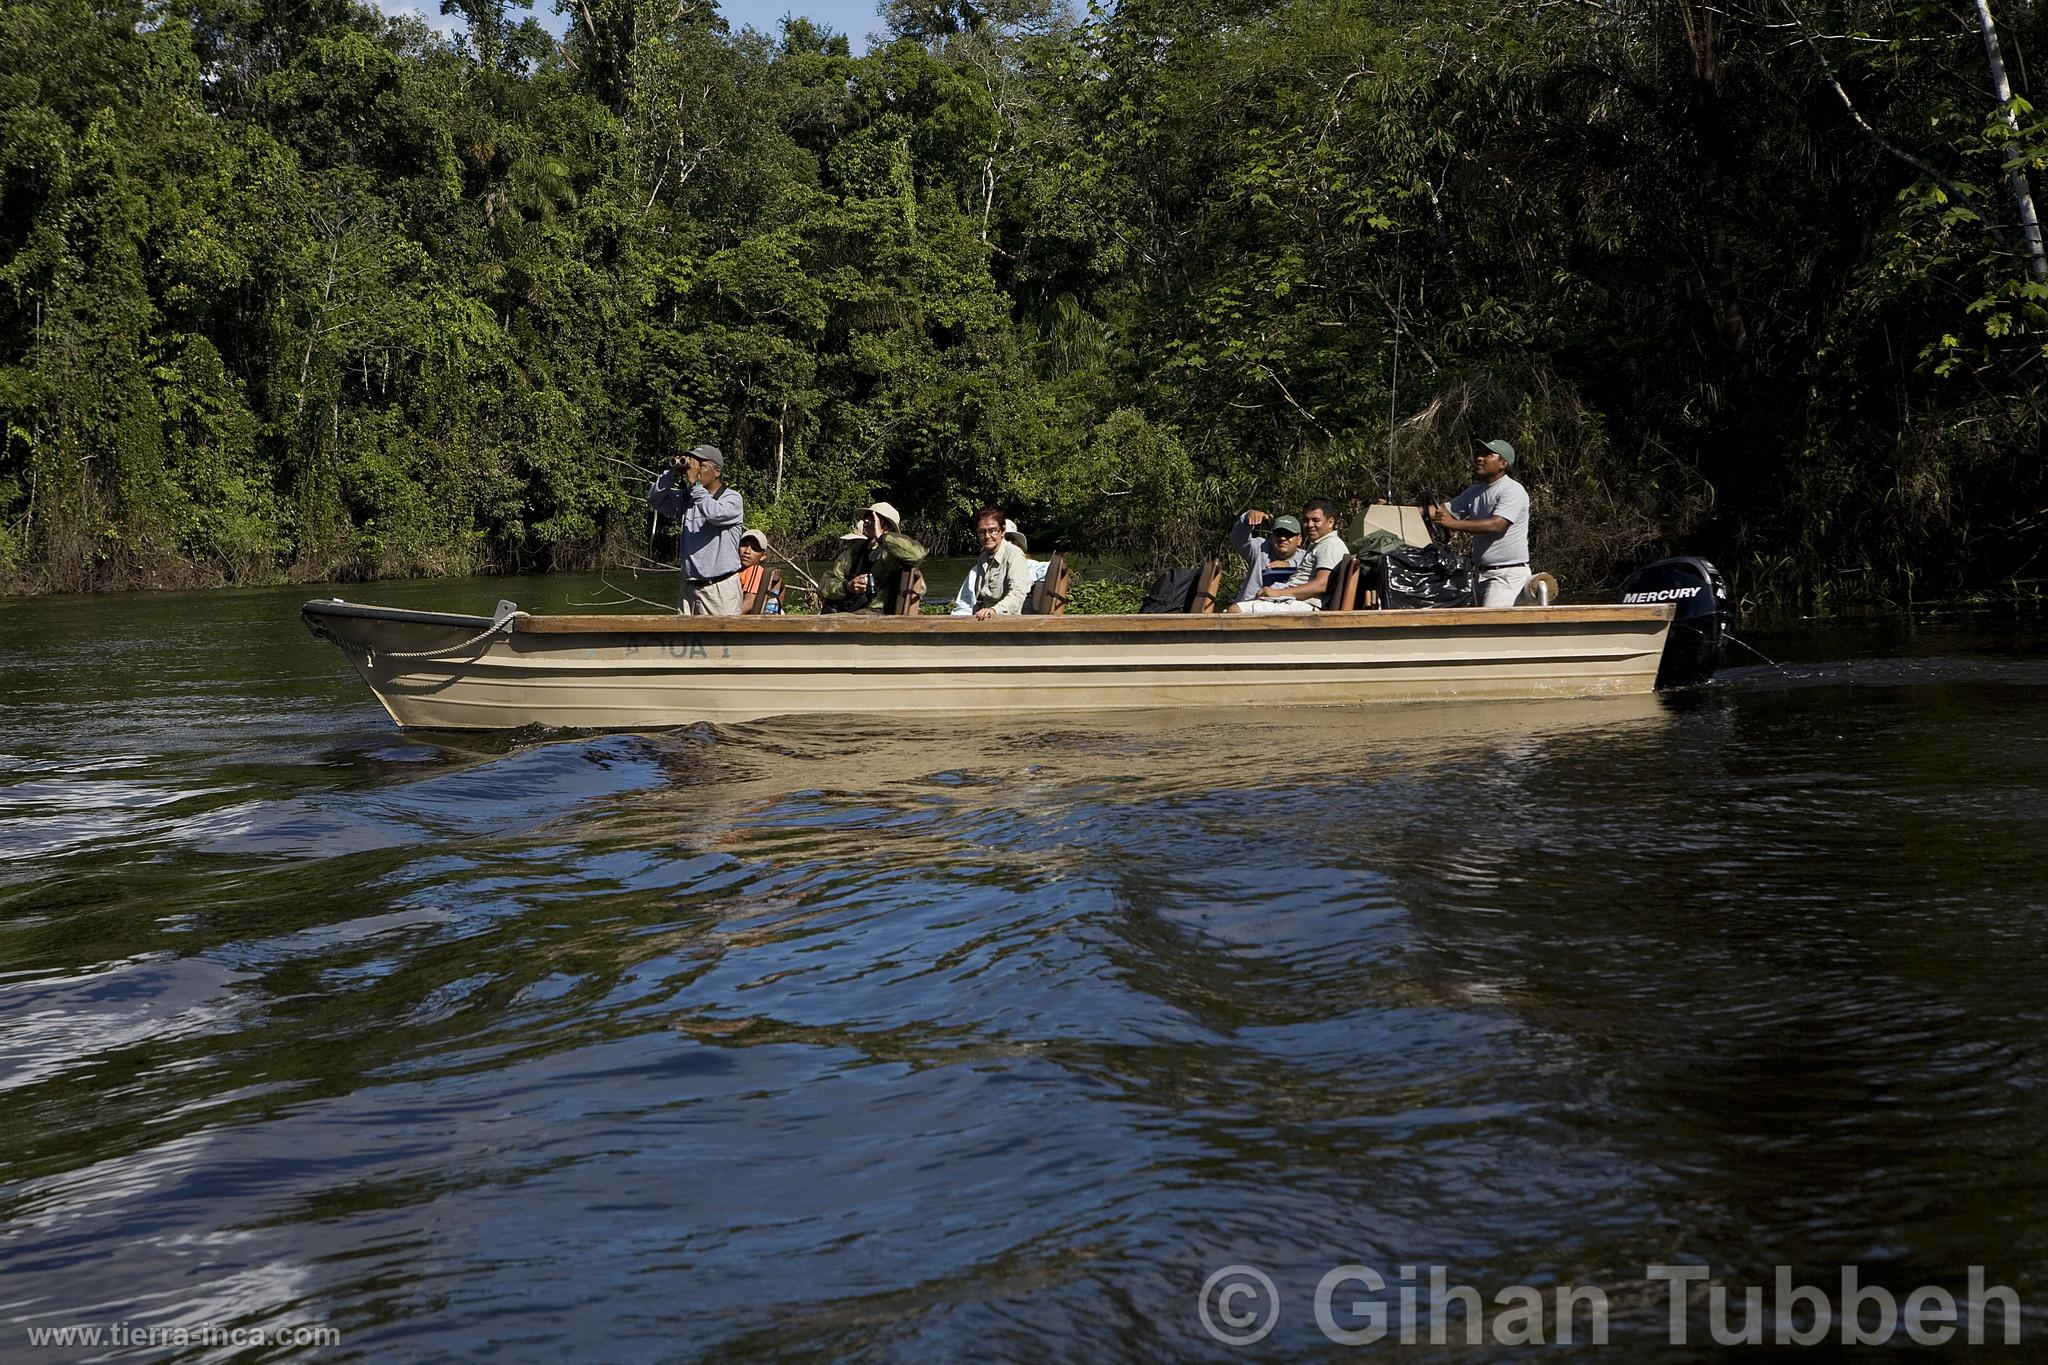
point(710, 516)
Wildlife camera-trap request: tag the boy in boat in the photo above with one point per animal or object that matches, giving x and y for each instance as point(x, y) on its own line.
point(1304, 588)
point(708, 540)
point(1269, 561)
point(869, 569)
point(753, 564)
point(1495, 509)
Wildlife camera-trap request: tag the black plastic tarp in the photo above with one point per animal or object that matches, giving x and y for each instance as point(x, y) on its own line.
point(1431, 576)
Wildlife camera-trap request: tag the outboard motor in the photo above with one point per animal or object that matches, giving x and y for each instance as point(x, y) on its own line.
point(1692, 649)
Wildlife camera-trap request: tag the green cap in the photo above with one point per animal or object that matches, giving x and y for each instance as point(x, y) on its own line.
point(1500, 448)
point(1292, 525)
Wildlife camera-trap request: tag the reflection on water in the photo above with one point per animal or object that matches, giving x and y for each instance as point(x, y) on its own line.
point(831, 1036)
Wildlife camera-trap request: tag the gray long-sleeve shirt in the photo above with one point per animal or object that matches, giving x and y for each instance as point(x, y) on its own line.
point(1260, 569)
point(710, 538)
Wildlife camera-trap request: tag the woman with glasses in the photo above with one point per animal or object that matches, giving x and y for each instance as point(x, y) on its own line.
point(1002, 576)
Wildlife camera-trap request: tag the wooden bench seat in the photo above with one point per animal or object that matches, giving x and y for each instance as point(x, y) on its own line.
point(1048, 596)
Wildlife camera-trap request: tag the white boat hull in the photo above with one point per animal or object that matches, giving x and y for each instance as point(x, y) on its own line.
point(431, 670)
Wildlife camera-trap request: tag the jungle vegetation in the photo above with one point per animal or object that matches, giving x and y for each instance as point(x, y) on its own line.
point(296, 290)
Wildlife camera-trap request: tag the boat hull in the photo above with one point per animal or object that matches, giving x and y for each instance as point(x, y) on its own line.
point(441, 671)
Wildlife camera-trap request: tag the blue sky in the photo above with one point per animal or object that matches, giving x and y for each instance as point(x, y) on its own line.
point(855, 18)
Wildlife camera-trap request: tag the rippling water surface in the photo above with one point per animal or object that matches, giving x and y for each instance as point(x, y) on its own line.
point(945, 1039)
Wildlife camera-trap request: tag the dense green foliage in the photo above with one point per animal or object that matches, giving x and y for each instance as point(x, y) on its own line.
point(303, 290)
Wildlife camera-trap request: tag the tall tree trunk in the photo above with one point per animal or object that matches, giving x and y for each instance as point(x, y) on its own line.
point(313, 332)
point(2022, 193)
point(1703, 41)
point(781, 437)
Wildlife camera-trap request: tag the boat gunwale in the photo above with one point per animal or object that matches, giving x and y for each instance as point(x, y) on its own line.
point(1134, 624)
point(854, 624)
point(364, 611)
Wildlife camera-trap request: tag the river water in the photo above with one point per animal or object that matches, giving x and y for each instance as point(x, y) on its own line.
point(944, 1040)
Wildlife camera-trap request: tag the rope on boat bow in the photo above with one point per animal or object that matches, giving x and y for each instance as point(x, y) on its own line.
point(502, 619)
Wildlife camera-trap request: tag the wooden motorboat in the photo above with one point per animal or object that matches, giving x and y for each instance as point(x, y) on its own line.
point(621, 672)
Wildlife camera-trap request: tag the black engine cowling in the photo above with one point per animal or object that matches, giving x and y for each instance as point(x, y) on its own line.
point(1692, 651)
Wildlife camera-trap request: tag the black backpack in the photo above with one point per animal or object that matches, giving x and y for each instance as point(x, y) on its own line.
point(1431, 576)
point(1172, 592)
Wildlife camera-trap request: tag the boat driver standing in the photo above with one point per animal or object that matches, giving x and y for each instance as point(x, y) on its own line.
point(709, 540)
point(1495, 510)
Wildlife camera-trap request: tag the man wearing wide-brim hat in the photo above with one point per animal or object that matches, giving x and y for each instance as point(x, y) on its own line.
point(709, 517)
point(869, 569)
point(1495, 510)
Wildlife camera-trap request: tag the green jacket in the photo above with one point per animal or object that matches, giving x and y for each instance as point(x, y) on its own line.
point(1373, 546)
point(884, 564)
